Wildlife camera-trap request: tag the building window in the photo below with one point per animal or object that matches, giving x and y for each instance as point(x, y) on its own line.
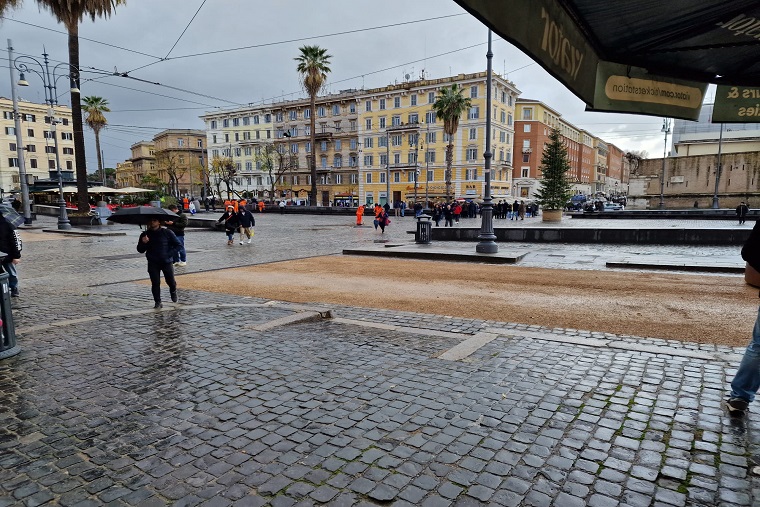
point(68, 151)
point(369, 142)
point(368, 178)
point(382, 177)
point(368, 106)
point(308, 146)
point(429, 175)
point(414, 118)
point(396, 140)
point(368, 124)
point(352, 108)
point(525, 171)
point(237, 137)
point(67, 136)
point(236, 122)
point(473, 92)
point(382, 122)
point(13, 162)
point(213, 124)
point(33, 163)
point(526, 157)
point(397, 102)
point(430, 117)
point(30, 132)
point(338, 145)
point(473, 134)
point(413, 99)
point(12, 146)
point(267, 118)
point(412, 157)
point(338, 161)
point(430, 137)
point(51, 164)
point(472, 154)
point(49, 149)
point(323, 161)
point(368, 160)
point(382, 142)
point(431, 97)
point(396, 176)
point(294, 148)
point(323, 145)
point(10, 131)
point(383, 160)
point(474, 113)
point(352, 144)
point(527, 114)
point(430, 156)
point(225, 123)
point(509, 119)
point(471, 174)
point(293, 115)
point(396, 121)
point(321, 111)
point(32, 148)
point(526, 144)
point(381, 105)
point(526, 127)
point(396, 158)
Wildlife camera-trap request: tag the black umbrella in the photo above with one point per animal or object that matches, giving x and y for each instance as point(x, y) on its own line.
point(141, 215)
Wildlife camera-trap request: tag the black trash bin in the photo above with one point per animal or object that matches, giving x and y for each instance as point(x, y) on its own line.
point(8, 345)
point(424, 229)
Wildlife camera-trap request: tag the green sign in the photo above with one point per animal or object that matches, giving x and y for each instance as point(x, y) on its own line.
point(624, 89)
point(544, 30)
point(736, 104)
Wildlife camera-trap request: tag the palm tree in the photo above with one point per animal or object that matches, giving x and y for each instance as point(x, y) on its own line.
point(96, 120)
point(449, 106)
point(71, 13)
point(313, 67)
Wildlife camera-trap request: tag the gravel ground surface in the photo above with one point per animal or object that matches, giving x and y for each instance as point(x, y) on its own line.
point(689, 307)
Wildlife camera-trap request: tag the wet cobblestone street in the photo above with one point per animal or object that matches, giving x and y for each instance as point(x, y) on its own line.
point(222, 400)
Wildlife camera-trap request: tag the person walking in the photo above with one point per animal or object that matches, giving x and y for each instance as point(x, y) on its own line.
point(247, 223)
point(231, 223)
point(159, 244)
point(10, 243)
point(746, 382)
point(448, 216)
point(178, 228)
point(383, 220)
point(457, 211)
point(213, 203)
point(741, 211)
point(521, 210)
point(282, 207)
point(261, 206)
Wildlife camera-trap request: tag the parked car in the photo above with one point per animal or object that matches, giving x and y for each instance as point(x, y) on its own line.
point(613, 206)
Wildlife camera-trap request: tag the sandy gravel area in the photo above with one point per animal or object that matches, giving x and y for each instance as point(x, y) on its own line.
point(698, 308)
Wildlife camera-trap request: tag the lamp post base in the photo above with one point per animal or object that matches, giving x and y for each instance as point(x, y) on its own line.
point(715, 204)
point(487, 237)
point(63, 218)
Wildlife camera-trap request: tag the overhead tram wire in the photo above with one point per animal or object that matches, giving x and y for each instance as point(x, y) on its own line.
point(185, 30)
point(301, 39)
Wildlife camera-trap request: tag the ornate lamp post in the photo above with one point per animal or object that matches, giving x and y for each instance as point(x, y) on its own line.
point(487, 243)
point(49, 78)
point(19, 143)
point(666, 130)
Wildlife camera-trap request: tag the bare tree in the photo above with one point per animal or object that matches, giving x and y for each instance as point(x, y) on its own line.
point(224, 171)
point(275, 164)
point(168, 163)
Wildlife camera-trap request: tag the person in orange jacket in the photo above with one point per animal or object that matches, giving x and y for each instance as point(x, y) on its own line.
point(360, 215)
point(261, 206)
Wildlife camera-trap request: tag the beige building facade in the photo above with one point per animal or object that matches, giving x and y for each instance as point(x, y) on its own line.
point(180, 161)
point(39, 138)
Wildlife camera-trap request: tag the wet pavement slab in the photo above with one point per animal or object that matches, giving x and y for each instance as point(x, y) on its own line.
point(223, 400)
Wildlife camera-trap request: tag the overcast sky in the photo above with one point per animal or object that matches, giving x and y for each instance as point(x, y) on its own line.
point(140, 39)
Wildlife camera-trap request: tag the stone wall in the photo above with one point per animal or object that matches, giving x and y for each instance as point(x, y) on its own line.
point(692, 179)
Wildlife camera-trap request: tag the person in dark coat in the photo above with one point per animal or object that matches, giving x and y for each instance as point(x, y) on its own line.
point(231, 223)
point(741, 211)
point(11, 245)
point(448, 216)
point(178, 228)
point(159, 244)
point(247, 223)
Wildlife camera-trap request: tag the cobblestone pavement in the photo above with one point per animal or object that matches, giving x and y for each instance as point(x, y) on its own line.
point(223, 400)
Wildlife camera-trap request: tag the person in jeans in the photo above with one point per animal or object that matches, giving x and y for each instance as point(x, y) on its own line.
point(247, 222)
point(747, 379)
point(159, 244)
point(231, 223)
point(178, 228)
point(10, 244)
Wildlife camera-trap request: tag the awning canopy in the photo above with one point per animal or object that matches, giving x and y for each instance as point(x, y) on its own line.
point(132, 190)
point(640, 56)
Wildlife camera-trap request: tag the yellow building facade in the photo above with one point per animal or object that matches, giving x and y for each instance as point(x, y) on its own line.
point(403, 145)
point(38, 140)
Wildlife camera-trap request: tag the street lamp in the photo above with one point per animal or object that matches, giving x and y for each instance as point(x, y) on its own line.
point(49, 79)
point(715, 203)
point(487, 237)
point(19, 144)
point(666, 130)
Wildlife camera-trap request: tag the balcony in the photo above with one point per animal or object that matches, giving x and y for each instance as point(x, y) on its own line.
point(527, 150)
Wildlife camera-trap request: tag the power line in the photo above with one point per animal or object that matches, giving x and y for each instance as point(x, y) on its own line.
point(80, 37)
point(183, 31)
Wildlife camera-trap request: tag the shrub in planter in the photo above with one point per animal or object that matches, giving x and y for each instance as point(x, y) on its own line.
point(555, 189)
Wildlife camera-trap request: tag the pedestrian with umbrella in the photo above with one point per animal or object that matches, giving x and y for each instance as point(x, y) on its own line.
point(157, 243)
point(10, 243)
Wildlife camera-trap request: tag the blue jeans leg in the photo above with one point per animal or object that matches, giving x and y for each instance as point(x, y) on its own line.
point(10, 268)
point(747, 379)
point(181, 255)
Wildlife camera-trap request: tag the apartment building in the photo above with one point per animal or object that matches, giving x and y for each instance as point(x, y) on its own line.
point(403, 146)
point(242, 136)
point(39, 142)
point(142, 163)
point(180, 160)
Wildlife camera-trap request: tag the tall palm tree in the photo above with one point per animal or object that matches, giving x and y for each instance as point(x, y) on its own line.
point(313, 67)
point(449, 107)
point(96, 120)
point(71, 13)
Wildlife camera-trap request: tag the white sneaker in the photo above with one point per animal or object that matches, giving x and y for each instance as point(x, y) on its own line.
point(175, 263)
point(182, 263)
point(241, 242)
point(249, 241)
